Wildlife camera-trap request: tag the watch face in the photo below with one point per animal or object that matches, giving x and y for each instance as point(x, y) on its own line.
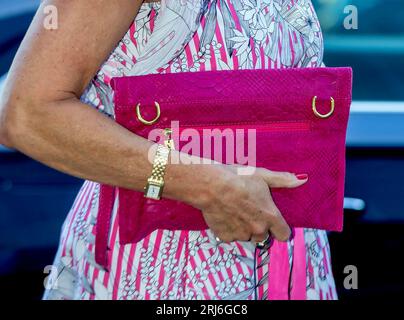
point(153, 192)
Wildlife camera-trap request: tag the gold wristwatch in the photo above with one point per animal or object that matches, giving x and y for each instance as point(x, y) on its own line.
point(155, 184)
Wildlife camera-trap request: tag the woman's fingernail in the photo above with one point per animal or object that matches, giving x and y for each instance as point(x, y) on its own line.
point(301, 176)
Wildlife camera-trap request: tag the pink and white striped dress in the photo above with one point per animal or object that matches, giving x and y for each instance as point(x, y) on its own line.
point(232, 34)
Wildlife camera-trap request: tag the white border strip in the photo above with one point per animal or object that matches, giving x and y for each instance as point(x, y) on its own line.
point(377, 107)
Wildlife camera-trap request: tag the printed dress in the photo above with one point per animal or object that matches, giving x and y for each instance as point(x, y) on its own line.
point(232, 34)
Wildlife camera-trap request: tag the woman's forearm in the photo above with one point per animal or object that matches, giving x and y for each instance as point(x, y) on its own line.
point(42, 116)
point(73, 137)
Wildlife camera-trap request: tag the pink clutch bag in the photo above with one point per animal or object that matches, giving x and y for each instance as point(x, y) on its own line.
point(285, 120)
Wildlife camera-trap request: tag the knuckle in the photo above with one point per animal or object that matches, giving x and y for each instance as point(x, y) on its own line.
point(273, 218)
point(258, 229)
point(291, 179)
point(284, 236)
point(283, 239)
point(275, 214)
point(287, 176)
point(240, 190)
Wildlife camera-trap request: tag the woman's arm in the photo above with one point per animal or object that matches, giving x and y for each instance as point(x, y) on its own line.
point(42, 116)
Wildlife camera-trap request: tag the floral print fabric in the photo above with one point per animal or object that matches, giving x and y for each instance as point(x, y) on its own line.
point(232, 34)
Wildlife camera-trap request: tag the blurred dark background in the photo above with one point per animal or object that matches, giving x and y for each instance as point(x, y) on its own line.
point(34, 199)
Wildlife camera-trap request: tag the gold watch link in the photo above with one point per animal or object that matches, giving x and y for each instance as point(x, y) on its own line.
point(155, 183)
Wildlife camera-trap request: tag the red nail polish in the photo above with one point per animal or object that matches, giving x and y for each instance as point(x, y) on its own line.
point(302, 176)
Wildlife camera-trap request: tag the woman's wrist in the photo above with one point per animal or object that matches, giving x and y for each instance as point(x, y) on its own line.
point(194, 182)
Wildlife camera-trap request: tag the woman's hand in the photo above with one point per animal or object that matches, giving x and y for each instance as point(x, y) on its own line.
point(240, 207)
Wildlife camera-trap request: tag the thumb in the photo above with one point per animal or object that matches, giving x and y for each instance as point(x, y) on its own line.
point(278, 179)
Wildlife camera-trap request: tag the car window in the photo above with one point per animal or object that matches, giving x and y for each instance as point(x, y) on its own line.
point(375, 50)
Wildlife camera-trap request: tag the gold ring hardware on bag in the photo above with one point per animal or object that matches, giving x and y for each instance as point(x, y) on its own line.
point(318, 114)
point(148, 122)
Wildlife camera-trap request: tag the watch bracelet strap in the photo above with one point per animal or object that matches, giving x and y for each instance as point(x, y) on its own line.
point(159, 164)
